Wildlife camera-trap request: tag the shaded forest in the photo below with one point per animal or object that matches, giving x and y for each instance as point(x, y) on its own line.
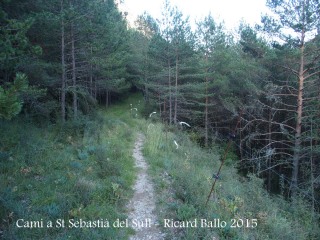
point(62, 59)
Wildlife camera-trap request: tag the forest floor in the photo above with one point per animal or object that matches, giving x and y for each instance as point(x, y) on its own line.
point(142, 206)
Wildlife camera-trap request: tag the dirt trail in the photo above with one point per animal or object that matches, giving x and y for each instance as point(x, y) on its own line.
point(142, 206)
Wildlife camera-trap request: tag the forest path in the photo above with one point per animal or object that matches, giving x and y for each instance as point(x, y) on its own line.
point(142, 206)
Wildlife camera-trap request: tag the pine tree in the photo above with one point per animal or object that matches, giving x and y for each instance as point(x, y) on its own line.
point(301, 17)
point(210, 39)
point(10, 100)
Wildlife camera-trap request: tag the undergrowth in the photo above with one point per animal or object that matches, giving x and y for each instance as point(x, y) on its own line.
point(84, 170)
point(81, 170)
point(184, 176)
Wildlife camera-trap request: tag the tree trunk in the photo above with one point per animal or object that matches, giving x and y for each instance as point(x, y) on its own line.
point(164, 108)
point(311, 171)
point(91, 76)
point(107, 98)
point(206, 120)
point(95, 90)
point(74, 83)
point(240, 142)
point(297, 140)
point(176, 95)
point(170, 95)
point(269, 144)
point(63, 76)
point(159, 105)
point(145, 78)
point(206, 109)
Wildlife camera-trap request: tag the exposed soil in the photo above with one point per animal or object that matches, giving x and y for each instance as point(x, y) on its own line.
point(142, 216)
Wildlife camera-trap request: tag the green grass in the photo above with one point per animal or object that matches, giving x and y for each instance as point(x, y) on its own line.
point(85, 170)
point(82, 170)
point(183, 178)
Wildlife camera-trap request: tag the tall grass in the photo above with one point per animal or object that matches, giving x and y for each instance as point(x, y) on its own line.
point(83, 169)
point(183, 178)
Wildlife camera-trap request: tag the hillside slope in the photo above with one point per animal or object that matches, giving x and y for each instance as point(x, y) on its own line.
point(184, 178)
point(51, 173)
point(85, 170)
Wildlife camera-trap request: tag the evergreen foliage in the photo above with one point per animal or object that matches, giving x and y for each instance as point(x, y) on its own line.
point(10, 101)
point(62, 59)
